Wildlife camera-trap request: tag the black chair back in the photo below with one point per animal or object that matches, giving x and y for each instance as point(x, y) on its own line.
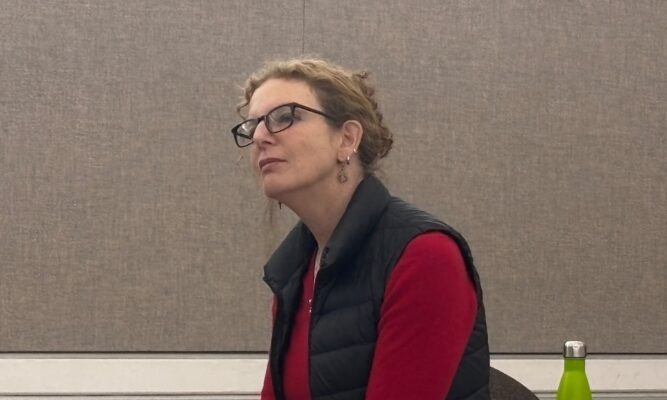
point(504, 387)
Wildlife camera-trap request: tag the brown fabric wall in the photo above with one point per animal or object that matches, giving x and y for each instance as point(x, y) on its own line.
point(129, 222)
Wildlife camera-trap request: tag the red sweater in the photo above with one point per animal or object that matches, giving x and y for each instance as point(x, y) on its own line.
point(425, 321)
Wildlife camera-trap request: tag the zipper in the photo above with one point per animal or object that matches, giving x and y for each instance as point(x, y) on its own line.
point(310, 315)
point(310, 331)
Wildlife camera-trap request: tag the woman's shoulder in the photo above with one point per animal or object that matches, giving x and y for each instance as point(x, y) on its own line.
point(432, 245)
point(400, 214)
point(432, 239)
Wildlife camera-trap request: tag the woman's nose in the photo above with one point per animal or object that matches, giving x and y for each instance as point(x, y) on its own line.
point(262, 134)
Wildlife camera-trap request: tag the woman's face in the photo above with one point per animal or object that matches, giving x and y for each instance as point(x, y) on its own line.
point(303, 157)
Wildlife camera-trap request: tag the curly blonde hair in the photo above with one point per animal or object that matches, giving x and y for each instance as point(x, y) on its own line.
point(344, 95)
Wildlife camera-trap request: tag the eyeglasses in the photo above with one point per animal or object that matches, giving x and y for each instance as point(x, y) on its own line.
point(276, 120)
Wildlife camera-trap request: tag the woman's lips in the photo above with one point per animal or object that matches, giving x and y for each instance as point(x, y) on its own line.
point(268, 161)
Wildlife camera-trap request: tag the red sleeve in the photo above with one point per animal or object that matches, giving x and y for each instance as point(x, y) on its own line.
point(425, 322)
point(267, 389)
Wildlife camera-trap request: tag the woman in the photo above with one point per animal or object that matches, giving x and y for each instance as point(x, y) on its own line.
point(373, 299)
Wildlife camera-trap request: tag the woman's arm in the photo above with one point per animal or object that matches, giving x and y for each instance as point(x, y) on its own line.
point(426, 318)
point(267, 389)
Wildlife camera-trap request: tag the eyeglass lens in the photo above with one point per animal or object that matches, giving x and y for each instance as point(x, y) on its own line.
point(280, 119)
point(276, 120)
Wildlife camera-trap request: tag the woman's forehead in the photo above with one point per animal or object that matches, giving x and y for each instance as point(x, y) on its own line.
point(275, 92)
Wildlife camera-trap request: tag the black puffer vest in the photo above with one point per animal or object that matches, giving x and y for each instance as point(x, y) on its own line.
point(355, 267)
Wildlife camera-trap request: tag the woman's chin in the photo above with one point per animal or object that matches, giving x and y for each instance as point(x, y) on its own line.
point(278, 187)
point(272, 190)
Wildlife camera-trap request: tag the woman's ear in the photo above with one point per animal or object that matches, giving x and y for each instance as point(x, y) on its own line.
point(351, 132)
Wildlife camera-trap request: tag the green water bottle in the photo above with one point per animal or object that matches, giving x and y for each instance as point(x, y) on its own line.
point(573, 383)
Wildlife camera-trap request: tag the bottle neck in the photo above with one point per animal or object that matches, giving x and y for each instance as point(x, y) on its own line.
point(575, 364)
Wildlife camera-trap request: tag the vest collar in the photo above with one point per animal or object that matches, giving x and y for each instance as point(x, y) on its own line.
point(365, 208)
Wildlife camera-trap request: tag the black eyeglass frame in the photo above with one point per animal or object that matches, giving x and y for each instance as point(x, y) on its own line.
point(261, 118)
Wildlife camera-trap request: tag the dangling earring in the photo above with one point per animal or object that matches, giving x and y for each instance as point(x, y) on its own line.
point(342, 176)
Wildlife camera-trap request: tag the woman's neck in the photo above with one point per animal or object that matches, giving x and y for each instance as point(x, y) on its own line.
point(322, 209)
